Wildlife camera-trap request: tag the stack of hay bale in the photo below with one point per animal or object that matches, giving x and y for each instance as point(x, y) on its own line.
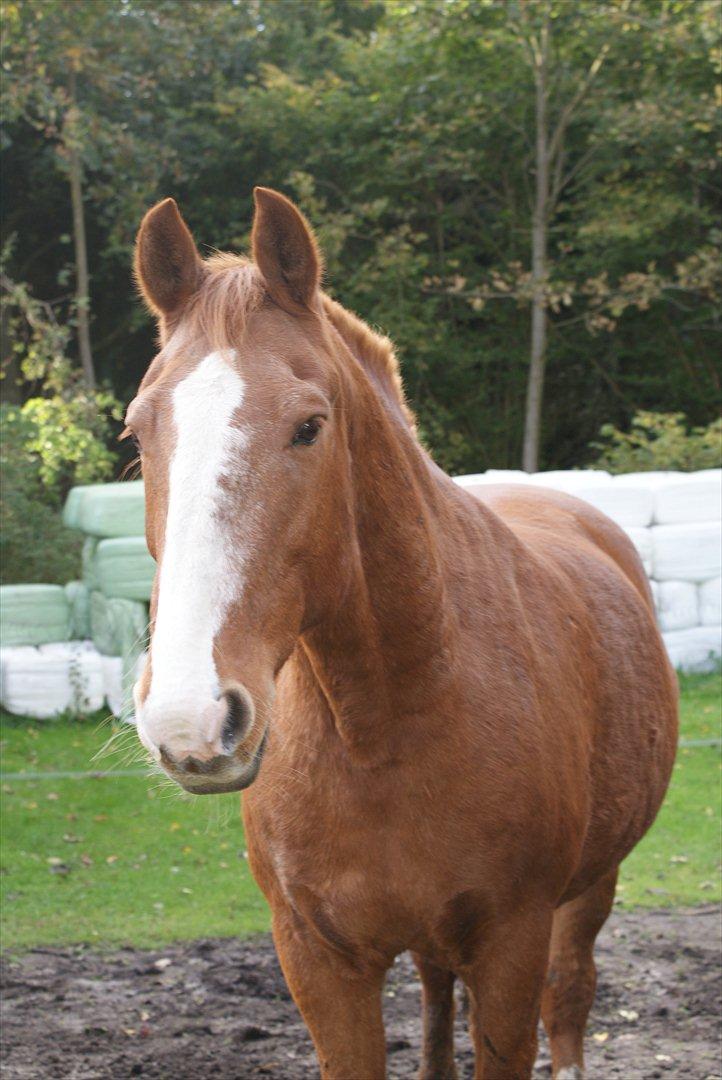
point(675, 522)
point(74, 648)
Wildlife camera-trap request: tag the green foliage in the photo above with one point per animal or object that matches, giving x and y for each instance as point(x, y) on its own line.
point(58, 437)
point(35, 546)
point(660, 441)
point(405, 131)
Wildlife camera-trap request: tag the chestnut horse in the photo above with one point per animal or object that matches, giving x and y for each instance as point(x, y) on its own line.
point(457, 710)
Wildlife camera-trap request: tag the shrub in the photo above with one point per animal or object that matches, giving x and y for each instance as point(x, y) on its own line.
point(35, 546)
point(660, 441)
point(47, 445)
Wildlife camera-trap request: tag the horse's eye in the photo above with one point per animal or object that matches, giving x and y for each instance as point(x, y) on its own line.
point(307, 433)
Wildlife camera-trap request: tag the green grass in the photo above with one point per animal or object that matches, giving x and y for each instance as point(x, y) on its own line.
point(678, 861)
point(140, 862)
point(132, 860)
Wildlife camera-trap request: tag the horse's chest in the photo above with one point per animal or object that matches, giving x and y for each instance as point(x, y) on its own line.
point(342, 872)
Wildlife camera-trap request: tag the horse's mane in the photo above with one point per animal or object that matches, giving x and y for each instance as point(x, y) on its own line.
point(233, 288)
point(374, 351)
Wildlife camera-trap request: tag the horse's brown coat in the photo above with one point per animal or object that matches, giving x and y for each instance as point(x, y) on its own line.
point(474, 716)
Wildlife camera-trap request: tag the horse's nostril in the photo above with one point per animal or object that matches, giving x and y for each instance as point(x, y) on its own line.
point(236, 721)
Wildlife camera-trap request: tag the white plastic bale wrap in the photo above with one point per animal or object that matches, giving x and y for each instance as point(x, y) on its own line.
point(642, 541)
point(90, 545)
point(85, 673)
point(33, 614)
point(78, 597)
point(673, 520)
point(677, 605)
point(689, 499)
point(124, 568)
point(119, 685)
point(687, 552)
point(695, 650)
point(107, 510)
point(54, 678)
point(120, 630)
point(73, 502)
point(710, 602)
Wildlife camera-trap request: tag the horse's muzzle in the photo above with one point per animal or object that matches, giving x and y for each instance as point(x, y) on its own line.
point(215, 776)
point(206, 750)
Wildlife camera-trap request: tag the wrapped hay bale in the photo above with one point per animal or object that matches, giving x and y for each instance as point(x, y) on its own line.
point(117, 625)
point(695, 650)
point(71, 510)
point(689, 498)
point(123, 568)
point(629, 506)
point(687, 552)
point(120, 630)
point(107, 510)
point(710, 602)
point(55, 678)
point(33, 614)
point(677, 605)
point(90, 545)
point(119, 685)
point(78, 597)
point(642, 540)
point(571, 480)
point(113, 683)
point(85, 673)
point(493, 476)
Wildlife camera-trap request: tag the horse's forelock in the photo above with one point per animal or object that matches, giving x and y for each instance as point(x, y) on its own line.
point(231, 290)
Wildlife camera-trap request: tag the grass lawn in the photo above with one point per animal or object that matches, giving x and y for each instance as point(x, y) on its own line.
point(132, 860)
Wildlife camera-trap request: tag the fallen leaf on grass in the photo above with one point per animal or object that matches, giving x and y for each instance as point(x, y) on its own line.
point(678, 859)
point(86, 860)
point(163, 963)
point(600, 1036)
point(71, 838)
point(111, 859)
point(662, 1057)
point(100, 817)
point(57, 866)
point(629, 1015)
point(52, 796)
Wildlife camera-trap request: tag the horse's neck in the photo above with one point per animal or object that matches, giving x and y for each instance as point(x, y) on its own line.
point(382, 656)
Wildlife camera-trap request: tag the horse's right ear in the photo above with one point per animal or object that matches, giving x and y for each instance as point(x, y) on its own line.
point(167, 264)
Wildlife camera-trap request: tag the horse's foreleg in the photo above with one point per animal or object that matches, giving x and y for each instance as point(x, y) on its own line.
point(571, 979)
point(437, 1059)
point(505, 982)
point(339, 999)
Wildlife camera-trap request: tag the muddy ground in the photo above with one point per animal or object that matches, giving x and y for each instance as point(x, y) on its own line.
point(219, 1008)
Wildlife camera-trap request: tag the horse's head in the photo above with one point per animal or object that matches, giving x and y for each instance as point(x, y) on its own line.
point(240, 445)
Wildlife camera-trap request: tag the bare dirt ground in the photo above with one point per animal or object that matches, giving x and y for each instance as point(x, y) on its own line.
point(220, 1008)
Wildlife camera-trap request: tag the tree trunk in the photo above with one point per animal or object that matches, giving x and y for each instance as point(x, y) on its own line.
point(540, 221)
point(82, 292)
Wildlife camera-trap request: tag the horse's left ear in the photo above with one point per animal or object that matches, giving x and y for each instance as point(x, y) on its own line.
point(285, 250)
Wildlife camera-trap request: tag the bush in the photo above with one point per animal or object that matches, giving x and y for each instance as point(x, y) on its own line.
point(660, 441)
point(46, 446)
point(35, 546)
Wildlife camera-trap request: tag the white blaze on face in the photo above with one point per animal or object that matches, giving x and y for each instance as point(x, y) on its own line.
point(200, 573)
